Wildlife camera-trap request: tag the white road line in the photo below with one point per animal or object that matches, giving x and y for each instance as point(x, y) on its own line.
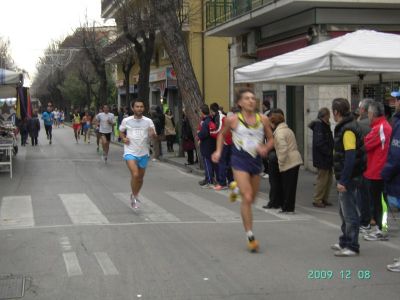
point(260, 202)
point(65, 243)
point(149, 210)
point(82, 210)
point(16, 211)
point(212, 210)
point(72, 264)
point(106, 264)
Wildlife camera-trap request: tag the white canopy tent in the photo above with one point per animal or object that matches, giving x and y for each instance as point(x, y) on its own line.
point(9, 80)
point(364, 55)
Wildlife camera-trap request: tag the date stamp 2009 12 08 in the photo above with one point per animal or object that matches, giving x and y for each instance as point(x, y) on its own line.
point(316, 274)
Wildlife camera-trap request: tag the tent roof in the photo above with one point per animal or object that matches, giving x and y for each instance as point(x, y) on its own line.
point(9, 77)
point(336, 61)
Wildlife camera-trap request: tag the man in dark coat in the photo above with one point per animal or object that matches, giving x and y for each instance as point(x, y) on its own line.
point(322, 150)
point(391, 170)
point(207, 145)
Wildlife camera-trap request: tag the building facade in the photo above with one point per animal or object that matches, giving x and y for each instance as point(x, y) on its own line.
point(262, 29)
point(209, 56)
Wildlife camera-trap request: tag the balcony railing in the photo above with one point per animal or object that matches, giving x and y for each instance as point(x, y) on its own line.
point(222, 11)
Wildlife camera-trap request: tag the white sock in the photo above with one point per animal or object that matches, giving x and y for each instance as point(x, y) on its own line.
point(249, 234)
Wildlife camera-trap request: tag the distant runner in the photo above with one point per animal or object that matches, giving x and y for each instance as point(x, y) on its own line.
point(106, 121)
point(48, 118)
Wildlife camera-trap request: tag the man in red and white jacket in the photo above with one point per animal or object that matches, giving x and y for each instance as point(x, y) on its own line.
point(376, 144)
point(224, 172)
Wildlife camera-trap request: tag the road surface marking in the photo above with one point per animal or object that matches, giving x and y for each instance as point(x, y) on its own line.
point(106, 264)
point(72, 264)
point(274, 212)
point(148, 209)
point(82, 210)
point(209, 208)
point(65, 244)
point(16, 211)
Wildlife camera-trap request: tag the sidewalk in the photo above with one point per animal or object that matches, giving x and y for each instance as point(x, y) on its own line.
point(305, 185)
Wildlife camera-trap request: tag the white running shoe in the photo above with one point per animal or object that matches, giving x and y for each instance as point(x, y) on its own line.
point(346, 253)
point(394, 267)
point(135, 202)
point(336, 247)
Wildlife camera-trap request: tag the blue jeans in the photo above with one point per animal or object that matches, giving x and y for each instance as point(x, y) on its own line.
point(209, 168)
point(350, 216)
point(224, 166)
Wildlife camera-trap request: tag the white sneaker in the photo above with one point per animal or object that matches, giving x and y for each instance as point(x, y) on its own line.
point(346, 253)
point(394, 267)
point(336, 247)
point(376, 236)
point(135, 202)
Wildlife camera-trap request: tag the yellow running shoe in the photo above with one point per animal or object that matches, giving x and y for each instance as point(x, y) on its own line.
point(253, 246)
point(234, 195)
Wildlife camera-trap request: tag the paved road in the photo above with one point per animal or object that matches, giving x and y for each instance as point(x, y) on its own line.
point(65, 224)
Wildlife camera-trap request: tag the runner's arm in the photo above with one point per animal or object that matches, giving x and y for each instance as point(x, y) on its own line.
point(264, 149)
point(122, 133)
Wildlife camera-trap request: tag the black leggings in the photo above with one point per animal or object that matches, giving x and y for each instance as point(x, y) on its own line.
point(289, 187)
point(48, 129)
point(374, 191)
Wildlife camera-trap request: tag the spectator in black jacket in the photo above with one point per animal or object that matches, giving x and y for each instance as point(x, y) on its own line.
point(34, 128)
point(207, 145)
point(322, 150)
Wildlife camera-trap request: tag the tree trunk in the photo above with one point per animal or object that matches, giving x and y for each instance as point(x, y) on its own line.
point(127, 84)
point(103, 89)
point(175, 44)
point(144, 51)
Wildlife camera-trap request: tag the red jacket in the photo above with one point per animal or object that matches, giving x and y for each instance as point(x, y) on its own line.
point(228, 135)
point(377, 143)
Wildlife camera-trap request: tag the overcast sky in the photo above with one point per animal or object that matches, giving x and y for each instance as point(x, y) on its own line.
point(32, 24)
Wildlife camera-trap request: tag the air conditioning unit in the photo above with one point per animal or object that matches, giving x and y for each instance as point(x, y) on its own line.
point(246, 44)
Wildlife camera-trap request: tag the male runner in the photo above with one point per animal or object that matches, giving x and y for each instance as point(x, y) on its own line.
point(48, 118)
point(106, 120)
point(249, 130)
point(76, 124)
point(136, 132)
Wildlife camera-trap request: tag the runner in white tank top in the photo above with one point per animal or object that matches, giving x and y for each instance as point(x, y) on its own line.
point(248, 132)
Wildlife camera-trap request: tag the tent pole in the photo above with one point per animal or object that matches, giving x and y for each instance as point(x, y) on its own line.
point(361, 86)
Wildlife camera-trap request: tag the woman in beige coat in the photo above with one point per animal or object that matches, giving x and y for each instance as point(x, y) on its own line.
point(170, 132)
point(289, 159)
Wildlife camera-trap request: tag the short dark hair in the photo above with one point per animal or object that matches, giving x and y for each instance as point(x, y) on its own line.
point(243, 91)
point(277, 111)
point(205, 109)
point(341, 105)
point(267, 104)
point(134, 101)
point(323, 112)
point(277, 116)
point(214, 107)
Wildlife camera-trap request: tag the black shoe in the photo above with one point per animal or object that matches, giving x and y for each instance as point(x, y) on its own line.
point(203, 182)
point(319, 205)
point(268, 206)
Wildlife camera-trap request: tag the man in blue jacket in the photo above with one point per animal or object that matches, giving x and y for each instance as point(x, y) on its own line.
point(48, 118)
point(391, 170)
point(207, 145)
